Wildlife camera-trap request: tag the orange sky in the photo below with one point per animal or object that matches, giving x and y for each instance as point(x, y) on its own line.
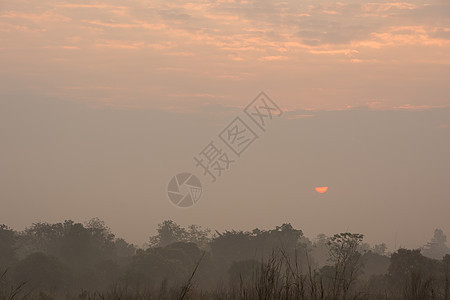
point(102, 102)
point(200, 55)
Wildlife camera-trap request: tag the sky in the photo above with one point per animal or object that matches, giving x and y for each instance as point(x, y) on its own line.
point(102, 102)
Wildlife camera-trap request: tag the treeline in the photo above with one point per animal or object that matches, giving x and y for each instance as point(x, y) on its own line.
point(71, 260)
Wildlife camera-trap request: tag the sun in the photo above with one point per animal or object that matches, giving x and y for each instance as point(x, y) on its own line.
point(321, 189)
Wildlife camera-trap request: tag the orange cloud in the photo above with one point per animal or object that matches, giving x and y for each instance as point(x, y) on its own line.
point(383, 7)
point(331, 12)
point(120, 44)
point(346, 52)
point(46, 17)
point(112, 25)
point(62, 47)
point(271, 58)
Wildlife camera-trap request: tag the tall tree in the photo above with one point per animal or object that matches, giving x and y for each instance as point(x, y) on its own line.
point(437, 247)
point(343, 251)
point(7, 247)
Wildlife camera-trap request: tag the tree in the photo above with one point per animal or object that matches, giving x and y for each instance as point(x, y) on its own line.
point(412, 274)
point(7, 247)
point(243, 272)
point(157, 264)
point(199, 236)
point(319, 250)
point(380, 249)
point(436, 248)
point(374, 264)
point(170, 232)
point(343, 251)
point(42, 237)
point(446, 265)
point(42, 271)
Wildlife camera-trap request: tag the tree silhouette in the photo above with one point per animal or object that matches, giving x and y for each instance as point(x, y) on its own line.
point(343, 251)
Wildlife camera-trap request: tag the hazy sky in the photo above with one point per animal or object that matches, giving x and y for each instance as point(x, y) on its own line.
point(102, 102)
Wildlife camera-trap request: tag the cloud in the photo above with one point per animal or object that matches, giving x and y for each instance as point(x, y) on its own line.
point(45, 17)
point(120, 44)
point(443, 126)
point(346, 52)
point(299, 116)
point(384, 7)
point(270, 58)
point(245, 25)
point(319, 48)
point(418, 107)
point(112, 24)
point(67, 47)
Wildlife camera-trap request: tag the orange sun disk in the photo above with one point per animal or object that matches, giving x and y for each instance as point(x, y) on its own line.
point(321, 189)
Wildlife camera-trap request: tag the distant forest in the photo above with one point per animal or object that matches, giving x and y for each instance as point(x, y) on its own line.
point(72, 260)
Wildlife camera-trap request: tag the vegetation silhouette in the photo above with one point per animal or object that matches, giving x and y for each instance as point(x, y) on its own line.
point(71, 260)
